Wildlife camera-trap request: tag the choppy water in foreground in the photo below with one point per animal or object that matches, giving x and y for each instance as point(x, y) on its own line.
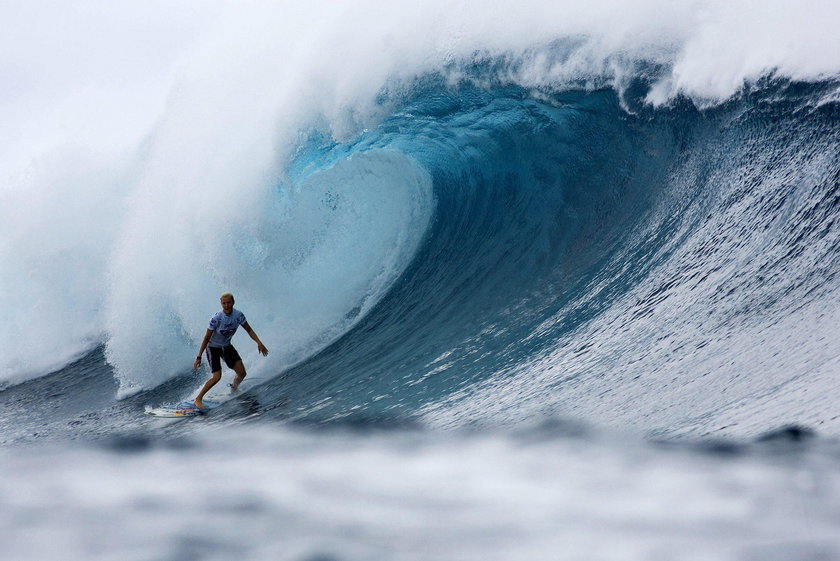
point(554, 492)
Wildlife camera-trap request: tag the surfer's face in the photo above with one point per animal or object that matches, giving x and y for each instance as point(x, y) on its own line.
point(227, 305)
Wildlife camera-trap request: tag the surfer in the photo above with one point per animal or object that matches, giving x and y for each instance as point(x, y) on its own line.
point(217, 344)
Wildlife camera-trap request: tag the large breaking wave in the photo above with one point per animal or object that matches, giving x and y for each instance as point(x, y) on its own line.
point(671, 269)
point(621, 213)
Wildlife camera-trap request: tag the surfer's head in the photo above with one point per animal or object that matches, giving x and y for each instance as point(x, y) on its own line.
point(227, 301)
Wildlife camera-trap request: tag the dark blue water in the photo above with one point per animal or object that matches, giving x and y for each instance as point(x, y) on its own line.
point(567, 224)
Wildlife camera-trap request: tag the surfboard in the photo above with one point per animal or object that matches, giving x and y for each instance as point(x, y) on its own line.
point(183, 409)
point(188, 409)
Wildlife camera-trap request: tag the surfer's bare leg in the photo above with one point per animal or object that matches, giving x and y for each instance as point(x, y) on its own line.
point(214, 379)
point(239, 368)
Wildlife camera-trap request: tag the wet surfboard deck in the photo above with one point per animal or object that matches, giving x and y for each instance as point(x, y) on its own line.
point(188, 409)
point(183, 409)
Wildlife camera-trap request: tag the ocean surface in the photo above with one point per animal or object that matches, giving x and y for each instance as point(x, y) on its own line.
point(540, 280)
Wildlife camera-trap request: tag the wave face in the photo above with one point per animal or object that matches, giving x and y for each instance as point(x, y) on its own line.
point(669, 269)
point(617, 213)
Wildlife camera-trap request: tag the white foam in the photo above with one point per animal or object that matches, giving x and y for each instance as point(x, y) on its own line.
point(306, 262)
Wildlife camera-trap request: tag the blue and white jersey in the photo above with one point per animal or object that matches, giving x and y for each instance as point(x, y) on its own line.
point(224, 326)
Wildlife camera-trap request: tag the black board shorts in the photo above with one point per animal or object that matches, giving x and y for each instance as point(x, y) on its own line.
point(216, 354)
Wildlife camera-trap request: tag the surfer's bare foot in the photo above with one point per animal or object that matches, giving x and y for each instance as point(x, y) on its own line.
point(199, 404)
point(234, 389)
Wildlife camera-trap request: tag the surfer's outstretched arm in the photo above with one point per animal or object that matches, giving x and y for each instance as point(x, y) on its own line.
point(260, 347)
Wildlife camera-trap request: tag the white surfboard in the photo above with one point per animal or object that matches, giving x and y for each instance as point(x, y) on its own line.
point(188, 409)
point(183, 409)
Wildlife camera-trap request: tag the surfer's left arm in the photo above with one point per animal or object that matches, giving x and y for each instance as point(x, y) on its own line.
point(251, 333)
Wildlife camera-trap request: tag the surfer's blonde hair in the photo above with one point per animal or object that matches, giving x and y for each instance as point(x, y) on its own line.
point(225, 295)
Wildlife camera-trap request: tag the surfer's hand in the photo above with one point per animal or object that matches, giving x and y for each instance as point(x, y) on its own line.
point(196, 364)
point(261, 348)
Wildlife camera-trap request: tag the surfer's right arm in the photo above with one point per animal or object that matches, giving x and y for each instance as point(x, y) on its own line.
point(201, 350)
